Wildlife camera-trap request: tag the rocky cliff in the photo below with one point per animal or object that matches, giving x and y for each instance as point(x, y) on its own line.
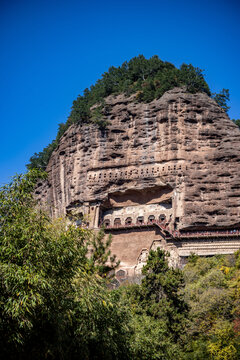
point(180, 149)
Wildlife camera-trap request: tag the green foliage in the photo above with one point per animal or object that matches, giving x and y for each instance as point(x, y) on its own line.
point(151, 340)
point(53, 298)
point(193, 78)
point(101, 258)
point(208, 327)
point(159, 312)
point(148, 78)
point(160, 292)
point(222, 98)
point(223, 344)
point(237, 122)
point(97, 117)
point(55, 304)
point(212, 292)
point(41, 159)
point(152, 77)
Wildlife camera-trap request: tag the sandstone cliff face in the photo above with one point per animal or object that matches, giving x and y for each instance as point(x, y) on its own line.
point(182, 149)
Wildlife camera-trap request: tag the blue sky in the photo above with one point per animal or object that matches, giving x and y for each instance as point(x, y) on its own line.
point(52, 50)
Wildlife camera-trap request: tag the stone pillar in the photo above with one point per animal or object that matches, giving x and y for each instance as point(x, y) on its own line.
point(96, 216)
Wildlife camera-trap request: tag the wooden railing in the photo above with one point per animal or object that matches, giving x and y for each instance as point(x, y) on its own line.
point(177, 234)
point(207, 233)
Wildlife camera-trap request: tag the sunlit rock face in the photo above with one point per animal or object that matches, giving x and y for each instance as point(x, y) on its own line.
point(174, 161)
point(180, 152)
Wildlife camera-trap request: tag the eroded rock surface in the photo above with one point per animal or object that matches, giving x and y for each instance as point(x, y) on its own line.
point(181, 150)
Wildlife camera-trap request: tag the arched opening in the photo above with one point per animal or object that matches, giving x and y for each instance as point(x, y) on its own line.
point(140, 220)
point(128, 221)
point(162, 217)
point(117, 221)
point(106, 222)
point(151, 218)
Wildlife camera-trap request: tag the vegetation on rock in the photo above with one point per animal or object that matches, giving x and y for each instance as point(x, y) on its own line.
point(147, 78)
point(222, 99)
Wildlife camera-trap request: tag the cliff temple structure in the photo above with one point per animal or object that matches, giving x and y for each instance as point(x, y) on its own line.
point(163, 174)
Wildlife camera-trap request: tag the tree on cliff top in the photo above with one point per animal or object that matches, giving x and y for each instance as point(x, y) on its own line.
point(148, 78)
point(222, 98)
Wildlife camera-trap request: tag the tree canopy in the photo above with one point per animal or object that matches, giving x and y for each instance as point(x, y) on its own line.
point(160, 313)
point(212, 293)
point(55, 300)
point(54, 303)
point(222, 98)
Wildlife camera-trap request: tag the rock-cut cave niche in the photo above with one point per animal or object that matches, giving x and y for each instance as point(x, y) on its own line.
point(141, 206)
